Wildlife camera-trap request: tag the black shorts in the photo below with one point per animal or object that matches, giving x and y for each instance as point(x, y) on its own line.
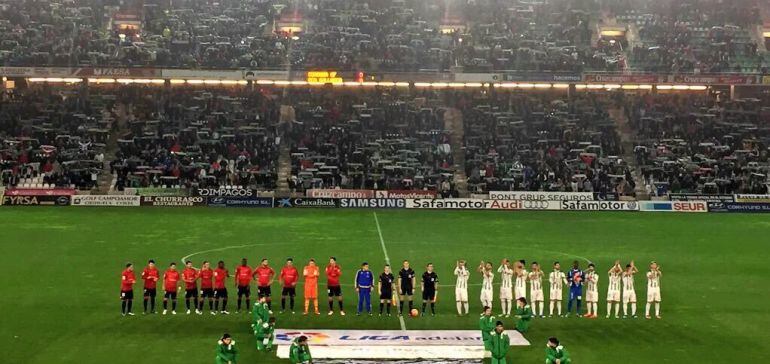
point(244, 291)
point(170, 295)
point(264, 292)
point(335, 291)
point(127, 295)
point(386, 295)
point(150, 292)
point(406, 291)
point(220, 293)
point(289, 291)
point(207, 292)
point(191, 293)
point(429, 295)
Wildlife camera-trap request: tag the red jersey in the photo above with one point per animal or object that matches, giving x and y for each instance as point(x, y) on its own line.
point(206, 275)
point(333, 274)
point(170, 280)
point(220, 274)
point(289, 276)
point(263, 274)
point(150, 277)
point(127, 280)
point(190, 276)
point(243, 275)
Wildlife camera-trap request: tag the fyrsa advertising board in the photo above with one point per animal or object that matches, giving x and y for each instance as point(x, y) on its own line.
point(106, 200)
point(541, 196)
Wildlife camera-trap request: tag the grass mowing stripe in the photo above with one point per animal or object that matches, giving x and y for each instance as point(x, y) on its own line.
point(387, 260)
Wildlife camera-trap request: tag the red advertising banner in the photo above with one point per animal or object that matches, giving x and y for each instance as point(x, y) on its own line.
point(716, 79)
point(615, 78)
point(40, 192)
point(340, 193)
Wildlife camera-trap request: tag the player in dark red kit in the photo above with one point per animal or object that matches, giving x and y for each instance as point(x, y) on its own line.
point(264, 276)
point(220, 292)
point(170, 281)
point(190, 278)
point(150, 275)
point(127, 280)
point(243, 281)
point(288, 279)
point(206, 276)
point(333, 273)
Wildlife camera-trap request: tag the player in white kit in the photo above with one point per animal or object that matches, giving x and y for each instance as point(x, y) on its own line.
point(461, 287)
point(592, 291)
point(629, 293)
point(556, 279)
point(520, 290)
point(653, 290)
point(506, 286)
point(536, 290)
point(486, 287)
point(613, 289)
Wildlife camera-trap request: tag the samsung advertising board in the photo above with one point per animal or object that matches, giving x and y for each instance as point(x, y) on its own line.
point(541, 196)
point(266, 202)
point(378, 203)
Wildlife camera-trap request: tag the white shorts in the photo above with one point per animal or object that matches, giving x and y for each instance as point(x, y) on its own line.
point(461, 294)
point(629, 297)
point(653, 294)
point(555, 295)
point(536, 296)
point(592, 296)
point(506, 294)
point(486, 295)
point(521, 292)
point(613, 296)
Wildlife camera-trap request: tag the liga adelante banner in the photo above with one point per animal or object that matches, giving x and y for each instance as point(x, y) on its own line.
point(321, 337)
point(541, 195)
point(106, 200)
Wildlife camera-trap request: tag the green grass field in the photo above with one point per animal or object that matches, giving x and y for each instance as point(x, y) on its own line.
point(62, 273)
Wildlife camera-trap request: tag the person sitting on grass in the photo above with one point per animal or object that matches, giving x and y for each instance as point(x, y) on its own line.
point(486, 325)
point(299, 352)
point(226, 352)
point(499, 344)
point(523, 314)
point(260, 313)
point(555, 353)
point(265, 334)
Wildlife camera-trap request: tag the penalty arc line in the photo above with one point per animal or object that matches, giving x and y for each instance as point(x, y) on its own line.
point(387, 260)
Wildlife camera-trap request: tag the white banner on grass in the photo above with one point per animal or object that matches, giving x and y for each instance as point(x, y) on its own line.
point(106, 200)
point(541, 196)
point(323, 337)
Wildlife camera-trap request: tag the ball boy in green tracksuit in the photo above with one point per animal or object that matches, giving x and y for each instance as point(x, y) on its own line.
point(226, 352)
point(555, 353)
point(487, 326)
point(499, 343)
point(524, 314)
point(299, 353)
point(265, 334)
point(260, 313)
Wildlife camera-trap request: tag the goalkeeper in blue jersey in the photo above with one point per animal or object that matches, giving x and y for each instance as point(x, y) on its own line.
point(364, 282)
point(575, 279)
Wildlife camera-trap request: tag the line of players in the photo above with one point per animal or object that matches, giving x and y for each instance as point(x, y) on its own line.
point(620, 281)
point(213, 287)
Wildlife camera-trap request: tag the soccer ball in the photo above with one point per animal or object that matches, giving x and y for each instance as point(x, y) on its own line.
point(414, 312)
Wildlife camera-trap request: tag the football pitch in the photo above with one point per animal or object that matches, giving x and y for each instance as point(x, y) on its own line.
point(60, 298)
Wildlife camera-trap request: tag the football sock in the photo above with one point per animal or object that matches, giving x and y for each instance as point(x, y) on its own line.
point(569, 306)
point(307, 304)
point(433, 308)
point(382, 307)
point(609, 309)
point(173, 305)
point(657, 308)
point(248, 303)
point(340, 304)
point(216, 305)
point(291, 303)
point(558, 306)
point(239, 303)
point(578, 307)
point(145, 304)
point(187, 303)
point(224, 304)
point(283, 303)
point(617, 309)
point(411, 306)
point(123, 306)
point(625, 309)
point(152, 304)
point(465, 305)
point(401, 307)
point(459, 308)
point(331, 305)
point(424, 304)
point(315, 304)
point(647, 309)
point(165, 304)
point(550, 308)
point(130, 303)
point(542, 308)
point(388, 308)
point(633, 309)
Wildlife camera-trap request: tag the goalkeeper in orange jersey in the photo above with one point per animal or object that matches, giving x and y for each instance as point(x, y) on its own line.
point(311, 272)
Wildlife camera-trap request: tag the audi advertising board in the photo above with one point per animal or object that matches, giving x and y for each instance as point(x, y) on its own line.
point(600, 205)
point(240, 202)
point(541, 195)
point(474, 204)
point(379, 203)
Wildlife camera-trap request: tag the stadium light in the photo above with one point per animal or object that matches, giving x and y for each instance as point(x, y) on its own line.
point(698, 87)
point(561, 85)
point(402, 84)
point(580, 87)
point(194, 82)
point(543, 85)
point(630, 87)
point(281, 83)
point(594, 86)
point(174, 81)
point(265, 82)
point(212, 82)
point(101, 80)
point(388, 83)
point(681, 87)
point(526, 85)
point(422, 84)
point(645, 87)
point(474, 84)
point(665, 87)
point(611, 86)
point(439, 84)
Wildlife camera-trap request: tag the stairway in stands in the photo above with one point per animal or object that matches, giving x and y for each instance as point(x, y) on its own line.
point(284, 156)
point(627, 137)
point(453, 120)
point(106, 179)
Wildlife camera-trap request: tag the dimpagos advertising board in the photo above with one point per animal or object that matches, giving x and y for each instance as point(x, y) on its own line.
point(600, 205)
point(173, 201)
point(541, 195)
point(225, 192)
point(106, 200)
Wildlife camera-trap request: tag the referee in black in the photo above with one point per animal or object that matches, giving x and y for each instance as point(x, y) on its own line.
point(429, 288)
point(386, 283)
point(406, 283)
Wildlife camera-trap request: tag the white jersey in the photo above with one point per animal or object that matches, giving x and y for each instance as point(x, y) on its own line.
point(592, 282)
point(462, 278)
point(653, 280)
point(506, 277)
point(486, 284)
point(536, 281)
point(521, 280)
point(556, 279)
point(628, 283)
point(614, 282)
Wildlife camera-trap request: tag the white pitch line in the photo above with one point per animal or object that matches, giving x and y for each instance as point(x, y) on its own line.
point(387, 260)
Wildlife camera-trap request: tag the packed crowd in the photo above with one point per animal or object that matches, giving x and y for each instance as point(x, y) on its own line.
point(543, 142)
point(701, 144)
